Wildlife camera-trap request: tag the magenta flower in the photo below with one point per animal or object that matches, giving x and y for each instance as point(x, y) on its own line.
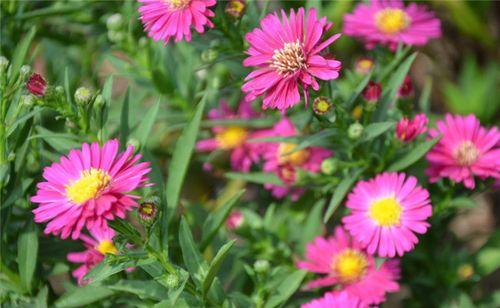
point(409, 129)
point(372, 92)
point(406, 88)
point(235, 220)
point(97, 246)
point(337, 299)
point(281, 159)
point(286, 53)
point(89, 187)
point(36, 85)
point(233, 138)
point(164, 19)
point(386, 212)
point(465, 150)
point(346, 264)
point(389, 22)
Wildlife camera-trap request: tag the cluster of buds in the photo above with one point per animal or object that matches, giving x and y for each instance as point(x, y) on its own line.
point(114, 23)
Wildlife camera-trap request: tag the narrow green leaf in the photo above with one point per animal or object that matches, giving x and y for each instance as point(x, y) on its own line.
point(82, 296)
point(190, 253)
point(146, 124)
point(104, 270)
point(286, 289)
point(215, 220)
point(107, 92)
point(374, 130)
point(414, 155)
point(41, 298)
point(215, 265)
point(124, 119)
point(20, 54)
point(361, 86)
point(423, 101)
point(60, 142)
point(67, 89)
point(339, 194)
point(312, 226)
point(21, 120)
point(51, 11)
point(27, 253)
point(255, 177)
point(142, 288)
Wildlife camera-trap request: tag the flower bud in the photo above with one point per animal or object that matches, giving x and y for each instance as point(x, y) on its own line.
point(287, 174)
point(364, 65)
point(83, 96)
point(235, 220)
point(114, 22)
point(27, 101)
point(407, 130)
point(355, 130)
point(329, 166)
point(261, 266)
point(172, 281)
point(99, 101)
point(321, 105)
point(36, 85)
point(116, 36)
point(148, 209)
point(372, 92)
point(59, 90)
point(4, 64)
point(406, 88)
point(235, 8)
point(209, 55)
point(357, 112)
point(25, 71)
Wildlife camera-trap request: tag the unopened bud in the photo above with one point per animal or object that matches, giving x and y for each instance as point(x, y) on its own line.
point(261, 266)
point(329, 166)
point(25, 71)
point(355, 130)
point(114, 22)
point(27, 101)
point(59, 90)
point(322, 105)
point(209, 55)
point(148, 209)
point(372, 92)
point(235, 8)
point(116, 36)
point(36, 85)
point(4, 64)
point(357, 112)
point(83, 95)
point(172, 281)
point(406, 88)
point(364, 65)
point(99, 101)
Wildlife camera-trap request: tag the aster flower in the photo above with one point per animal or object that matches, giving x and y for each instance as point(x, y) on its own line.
point(389, 22)
point(406, 88)
point(346, 264)
point(164, 19)
point(409, 129)
point(97, 246)
point(465, 150)
point(335, 300)
point(286, 53)
point(232, 138)
point(36, 85)
point(281, 159)
point(372, 91)
point(89, 187)
point(386, 212)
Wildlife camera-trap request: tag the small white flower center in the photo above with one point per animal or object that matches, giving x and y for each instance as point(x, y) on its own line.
point(177, 4)
point(466, 153)
point(289, 59)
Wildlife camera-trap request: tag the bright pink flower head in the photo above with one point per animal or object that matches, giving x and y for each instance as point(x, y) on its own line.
point(235, 220)
point(89, 187)
point(36, 85)
point(164, 19)
point(286, 53)
point(97, 246)
point(346, 264)
point(232, 138)
point(389, 22)
point(282, 159)
point(386, 212)
point(342, 299)
point(408, 129)
point(466, 149)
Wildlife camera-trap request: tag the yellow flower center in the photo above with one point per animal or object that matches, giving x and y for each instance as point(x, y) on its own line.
point(231, 137)
point(89, 186)
point(386, 212)
point(391, 21)
point(466, 153)
point(177, 4)
point(365, 65)
point(297, 158)
point(350, 265)
point(106, 246)
point(289, 59)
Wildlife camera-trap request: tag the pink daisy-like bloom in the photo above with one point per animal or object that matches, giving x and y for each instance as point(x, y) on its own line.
point(233, 138)
point(389, 22)
point(340, 299)
point(466, 149)
point(89, 187)
point(97, 246)
point(409, 129)
point(286, 53)
point(164, 19)
point(347, 265)
point(386, 212)
point(281, 159)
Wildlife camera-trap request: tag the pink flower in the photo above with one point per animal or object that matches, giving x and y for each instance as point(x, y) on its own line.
point(36, 85)
point(465, 150)
point(89, 187)
point(346, 264)
point(164, 19)
point(372, 92)
point(286, 53)
point(232, 138)
point(408, 130)
point(235, 220)
point(340, 299)
point(389, 22)
point(386, 212)
point(281, 159)
point(406, 88)
point(97, 246)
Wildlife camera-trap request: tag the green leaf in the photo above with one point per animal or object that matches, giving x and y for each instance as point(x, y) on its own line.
point(286, 289)
point(67, 89)
point(41, 298)
point(312, 226)
point(361, 86)
point(51, 11)
point(146, 124)
point(178, 167)
point(104, 269)
point(20, 55)
point(157, 271)
point(255, 177)
point(414, 155)
point(215, 220)
point(339, 194)
point(374, 130)
point(27, 253)
point(142, 288)
point(60, 142)
point(190, 253)
point(124, 118)
point(82, 296)
point(215, 266)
